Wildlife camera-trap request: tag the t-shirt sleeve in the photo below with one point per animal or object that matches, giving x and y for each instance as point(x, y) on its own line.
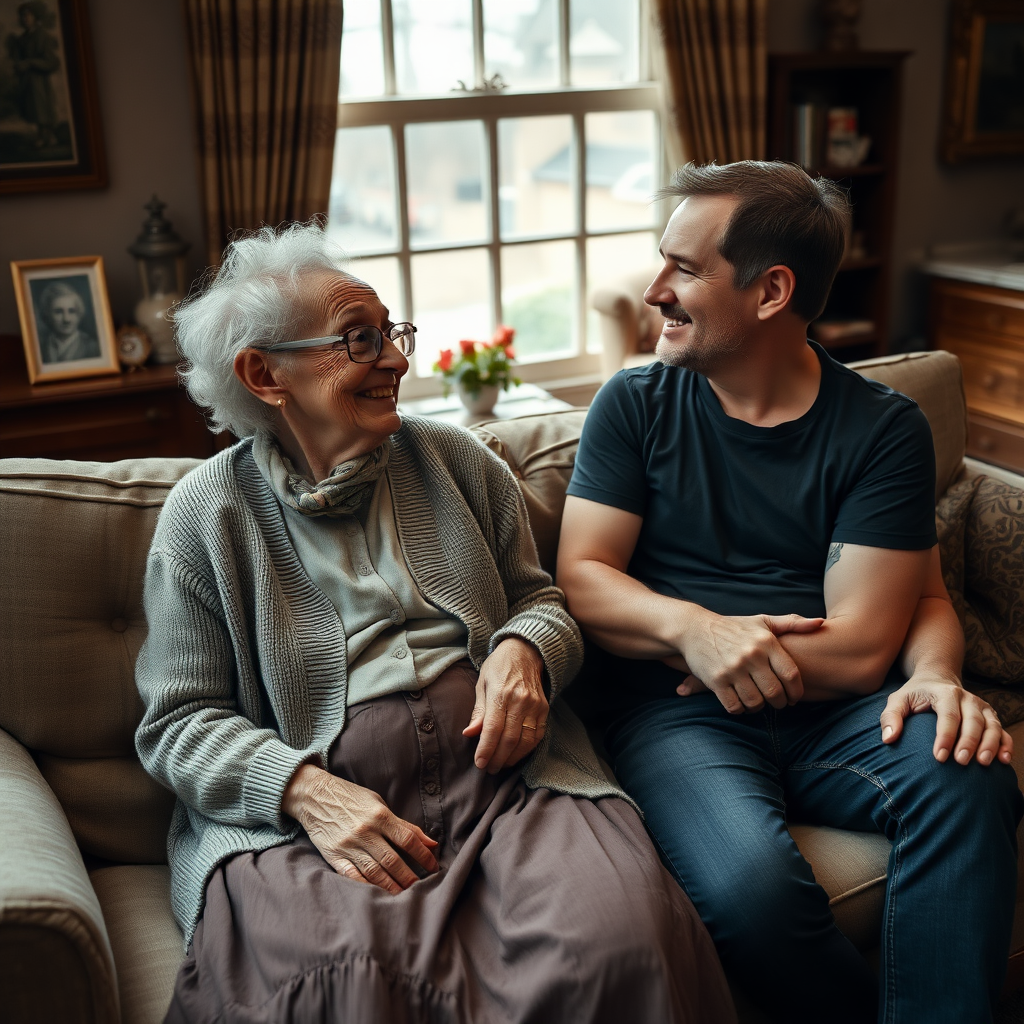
point(610, 466)
point(892, 505)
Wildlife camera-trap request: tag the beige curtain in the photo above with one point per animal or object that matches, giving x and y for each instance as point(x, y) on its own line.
point(715, 55)
point(265, 79)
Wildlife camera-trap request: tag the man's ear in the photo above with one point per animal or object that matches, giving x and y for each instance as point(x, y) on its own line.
point(253, 369)
point(777, 286)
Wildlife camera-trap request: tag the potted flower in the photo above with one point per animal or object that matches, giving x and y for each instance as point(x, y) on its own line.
point(479, 371)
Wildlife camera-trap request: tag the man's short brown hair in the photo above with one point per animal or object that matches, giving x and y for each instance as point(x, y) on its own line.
point(784, 217)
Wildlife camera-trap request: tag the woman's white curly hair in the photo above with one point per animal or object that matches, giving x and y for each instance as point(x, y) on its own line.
point(254, 298)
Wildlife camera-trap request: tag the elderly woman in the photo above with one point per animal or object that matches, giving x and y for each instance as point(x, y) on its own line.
point(351, 683)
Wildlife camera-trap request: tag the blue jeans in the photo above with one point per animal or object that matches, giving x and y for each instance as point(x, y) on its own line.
point(717, 791)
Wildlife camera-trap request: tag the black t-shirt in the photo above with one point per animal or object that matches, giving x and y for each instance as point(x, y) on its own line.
point(739, 518)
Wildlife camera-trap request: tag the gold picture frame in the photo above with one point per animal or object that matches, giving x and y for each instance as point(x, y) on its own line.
point(66, 326)
point(984, 109)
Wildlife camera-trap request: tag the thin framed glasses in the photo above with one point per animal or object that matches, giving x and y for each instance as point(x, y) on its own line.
point(363, 344)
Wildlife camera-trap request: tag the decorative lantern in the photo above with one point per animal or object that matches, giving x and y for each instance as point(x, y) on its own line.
point(161, 257)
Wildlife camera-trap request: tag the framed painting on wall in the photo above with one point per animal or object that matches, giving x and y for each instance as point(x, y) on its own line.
point(50, 134)
point(984, 111)
point(66, 326)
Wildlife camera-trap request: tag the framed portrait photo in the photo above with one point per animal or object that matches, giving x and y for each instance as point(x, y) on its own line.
point(50, 134)
point(66, 325)
point(984, 111)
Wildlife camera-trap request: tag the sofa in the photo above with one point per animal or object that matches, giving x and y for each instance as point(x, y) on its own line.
point(629, 328)
point(86, 932)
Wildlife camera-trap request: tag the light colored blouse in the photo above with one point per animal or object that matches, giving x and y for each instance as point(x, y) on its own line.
point(396, 639)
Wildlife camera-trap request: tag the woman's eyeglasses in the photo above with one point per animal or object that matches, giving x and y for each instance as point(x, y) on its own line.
point(363, 344)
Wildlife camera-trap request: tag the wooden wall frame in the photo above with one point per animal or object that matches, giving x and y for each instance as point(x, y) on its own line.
point(984, 108)
point(52, 137)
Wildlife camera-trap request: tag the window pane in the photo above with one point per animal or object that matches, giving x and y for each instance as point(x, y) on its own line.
point(451, 299)
point(621, 160)
point(537, 298)
point(604, 41)
point(433, 45)
point(445, 172)
point(362, 213)
point(384, 276)
point(536, 162)
point(362, 52)
point(521, 42)
point(611, 258)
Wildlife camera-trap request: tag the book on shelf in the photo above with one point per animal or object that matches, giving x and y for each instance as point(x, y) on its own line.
point(828, 332)
point(807, 124)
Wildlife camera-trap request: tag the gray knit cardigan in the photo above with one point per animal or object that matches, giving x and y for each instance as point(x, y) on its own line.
point(243, 671)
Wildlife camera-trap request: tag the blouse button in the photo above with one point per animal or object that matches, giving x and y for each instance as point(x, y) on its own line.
point(431, 788)
point(427, 725)
point(395, 614)
point(365, 570)
point(400, 653)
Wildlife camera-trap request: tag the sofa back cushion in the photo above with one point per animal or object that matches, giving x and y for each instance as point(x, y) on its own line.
point(74, 537)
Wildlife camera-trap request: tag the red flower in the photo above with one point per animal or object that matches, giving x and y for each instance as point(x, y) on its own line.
point(468, 347)
point(444, 360)
point(509, 353)
point(503, 336)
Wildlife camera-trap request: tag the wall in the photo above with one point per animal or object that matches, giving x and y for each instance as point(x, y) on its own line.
point(935, 203)
point(142, 77)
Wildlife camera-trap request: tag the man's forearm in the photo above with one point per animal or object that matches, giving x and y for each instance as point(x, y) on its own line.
point(934, 641)
point(622, 615)
point(836, 662)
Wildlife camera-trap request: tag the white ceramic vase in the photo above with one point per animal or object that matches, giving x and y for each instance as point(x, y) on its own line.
point(151, 315)
point(478, 403)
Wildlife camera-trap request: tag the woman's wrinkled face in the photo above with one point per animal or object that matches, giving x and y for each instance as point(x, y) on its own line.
point(331, 396)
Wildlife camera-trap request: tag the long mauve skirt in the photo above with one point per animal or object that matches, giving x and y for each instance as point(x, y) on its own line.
point(546, 907)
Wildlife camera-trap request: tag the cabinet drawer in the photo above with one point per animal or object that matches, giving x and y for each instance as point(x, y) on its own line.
point(996, 442)
point(992, 376)
point(992, 311)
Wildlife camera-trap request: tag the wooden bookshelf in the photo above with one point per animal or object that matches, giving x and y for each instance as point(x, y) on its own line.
point(871, 82)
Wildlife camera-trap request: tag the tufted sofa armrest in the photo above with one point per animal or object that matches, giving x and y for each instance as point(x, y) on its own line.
point(55, 957)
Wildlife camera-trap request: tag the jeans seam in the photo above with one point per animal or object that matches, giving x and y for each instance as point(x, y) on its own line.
point(888, 945)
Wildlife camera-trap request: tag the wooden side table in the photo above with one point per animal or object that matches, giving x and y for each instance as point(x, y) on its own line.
point(984, 326)
point(124, 416)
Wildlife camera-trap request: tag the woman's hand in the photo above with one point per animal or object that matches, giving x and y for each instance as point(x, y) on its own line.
point(355, 831)
point(511, 711)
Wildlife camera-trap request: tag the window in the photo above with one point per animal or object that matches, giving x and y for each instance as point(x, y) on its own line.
point(494, 160)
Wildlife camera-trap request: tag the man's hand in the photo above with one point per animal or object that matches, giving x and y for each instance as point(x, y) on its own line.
point(740, 659)
point(355, 830)
point(511, 711)
point(959, 713)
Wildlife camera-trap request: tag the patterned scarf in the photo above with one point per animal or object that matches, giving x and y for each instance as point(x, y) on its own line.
point(342, 493)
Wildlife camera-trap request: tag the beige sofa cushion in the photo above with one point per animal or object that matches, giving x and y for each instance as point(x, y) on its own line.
point(147, 943)
point(75, 537)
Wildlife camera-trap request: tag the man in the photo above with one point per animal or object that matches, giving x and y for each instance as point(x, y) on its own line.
point(750, 530)
point(62, 311)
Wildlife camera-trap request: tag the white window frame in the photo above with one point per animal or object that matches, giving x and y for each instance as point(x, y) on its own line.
point(484, 104)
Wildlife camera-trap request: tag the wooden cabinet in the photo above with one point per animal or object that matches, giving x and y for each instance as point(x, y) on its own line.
point(870, 83)
point(130, 415)
point(984, 327)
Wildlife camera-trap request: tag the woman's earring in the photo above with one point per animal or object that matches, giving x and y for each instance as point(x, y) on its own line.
point(282, 402)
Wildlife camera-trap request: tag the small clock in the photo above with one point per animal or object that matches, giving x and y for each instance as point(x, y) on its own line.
point(133, 346)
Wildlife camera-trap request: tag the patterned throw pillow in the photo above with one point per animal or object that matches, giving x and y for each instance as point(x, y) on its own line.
point(994, 583)
point(980, 523)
